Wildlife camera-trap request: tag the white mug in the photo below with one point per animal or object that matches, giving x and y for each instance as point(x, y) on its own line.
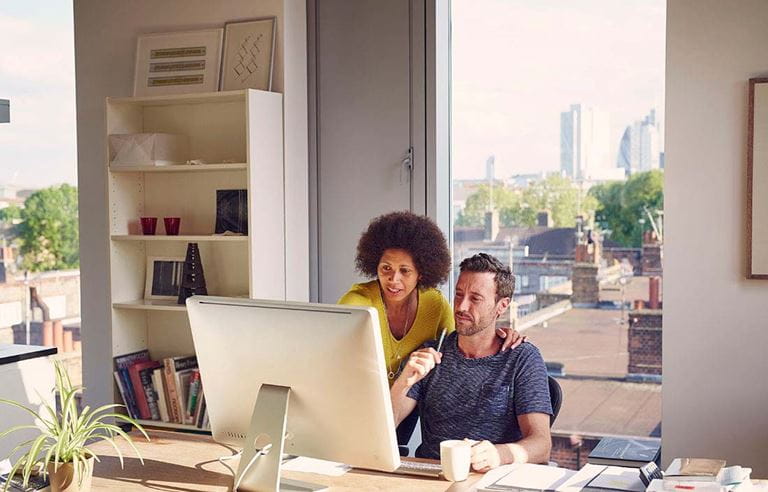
point(455, 459)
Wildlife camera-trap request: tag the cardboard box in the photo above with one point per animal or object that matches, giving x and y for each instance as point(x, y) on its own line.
point(148, 149)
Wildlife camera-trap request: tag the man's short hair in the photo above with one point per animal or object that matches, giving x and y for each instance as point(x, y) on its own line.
point(503, 278)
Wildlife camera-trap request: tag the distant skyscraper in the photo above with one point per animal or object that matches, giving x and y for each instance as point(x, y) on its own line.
point(490, 168)
point(584, 143)
point(640, 145)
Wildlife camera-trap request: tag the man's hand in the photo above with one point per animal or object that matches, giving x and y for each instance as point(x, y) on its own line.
point(485, 456)
point(512, 338)
point(419, 364)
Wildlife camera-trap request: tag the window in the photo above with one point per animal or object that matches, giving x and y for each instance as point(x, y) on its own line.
point(38, 198)
point(557, 161)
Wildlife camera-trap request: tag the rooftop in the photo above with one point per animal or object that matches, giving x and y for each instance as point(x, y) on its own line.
point(591, 341)
point(592, 346)
point(600, 407)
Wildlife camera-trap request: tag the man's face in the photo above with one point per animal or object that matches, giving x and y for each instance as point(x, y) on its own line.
point(474, 306)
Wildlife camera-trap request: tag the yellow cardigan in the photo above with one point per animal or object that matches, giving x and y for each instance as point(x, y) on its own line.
point(432, 315)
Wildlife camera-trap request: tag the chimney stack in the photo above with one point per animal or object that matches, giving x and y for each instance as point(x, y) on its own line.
point(544, 219)
point(491, 225)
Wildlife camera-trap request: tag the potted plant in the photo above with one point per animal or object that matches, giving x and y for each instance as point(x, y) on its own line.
point(61, 449)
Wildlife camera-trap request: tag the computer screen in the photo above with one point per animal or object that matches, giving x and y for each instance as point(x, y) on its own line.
point(329, 356)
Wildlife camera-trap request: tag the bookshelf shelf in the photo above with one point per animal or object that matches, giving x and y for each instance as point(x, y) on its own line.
point(182, 168)
point(188, 238)
point(149, 305)
point(170, 425)
point(182, 99)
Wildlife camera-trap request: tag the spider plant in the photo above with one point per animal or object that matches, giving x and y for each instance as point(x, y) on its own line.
point(65, 436)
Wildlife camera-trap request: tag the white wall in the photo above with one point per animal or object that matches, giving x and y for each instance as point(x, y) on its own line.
point(715, 322)
point(105, 44)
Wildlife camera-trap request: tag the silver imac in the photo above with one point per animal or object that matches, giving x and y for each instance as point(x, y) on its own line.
point(311, 373)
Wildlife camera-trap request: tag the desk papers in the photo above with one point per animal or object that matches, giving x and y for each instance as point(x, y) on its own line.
point(528, 477)
point(312, 465)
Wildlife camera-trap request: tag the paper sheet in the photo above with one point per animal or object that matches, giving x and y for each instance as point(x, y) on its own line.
point(312, 465)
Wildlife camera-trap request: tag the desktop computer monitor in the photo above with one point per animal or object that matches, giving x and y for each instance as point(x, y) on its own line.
point(331, 358)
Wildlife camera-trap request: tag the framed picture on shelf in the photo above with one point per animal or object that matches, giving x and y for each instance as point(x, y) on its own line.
point(178, 62)
point(231, 211)
point(248, 53)
point(164, 275)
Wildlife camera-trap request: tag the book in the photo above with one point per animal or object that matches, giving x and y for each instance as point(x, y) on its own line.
point(201, 409)
point(145, 376)
point(125, 395)
point(171, 367)
point(618, 451)
point(694, 470)
point(194, 393)
point(619, 478)
point(530, 477)
point(138, 387)
point(183, 384)
point(157, 382)
point(122, 363)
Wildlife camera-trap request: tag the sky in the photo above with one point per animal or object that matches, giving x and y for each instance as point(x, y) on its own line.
point(517, 64)
point(37, 73)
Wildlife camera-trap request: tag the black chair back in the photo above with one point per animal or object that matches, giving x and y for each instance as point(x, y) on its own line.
point(556, 397)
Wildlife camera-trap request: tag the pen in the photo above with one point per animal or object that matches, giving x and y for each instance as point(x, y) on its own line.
point(442, 337)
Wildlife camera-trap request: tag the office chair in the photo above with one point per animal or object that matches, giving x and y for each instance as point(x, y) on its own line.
point(556, 397)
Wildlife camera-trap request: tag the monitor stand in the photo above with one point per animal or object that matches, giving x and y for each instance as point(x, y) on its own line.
point(260, 463)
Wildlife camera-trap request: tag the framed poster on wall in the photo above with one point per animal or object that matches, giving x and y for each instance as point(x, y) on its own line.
point(757, 180)
point(178, 62)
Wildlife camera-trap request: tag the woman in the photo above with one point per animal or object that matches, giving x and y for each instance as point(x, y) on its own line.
point(408, 257)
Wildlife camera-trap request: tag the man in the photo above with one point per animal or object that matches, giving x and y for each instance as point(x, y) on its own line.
point(473, 390)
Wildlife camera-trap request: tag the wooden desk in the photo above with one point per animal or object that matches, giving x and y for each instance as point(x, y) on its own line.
point(180, 462)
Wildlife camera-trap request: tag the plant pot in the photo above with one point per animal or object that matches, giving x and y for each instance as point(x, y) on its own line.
point(66, 478)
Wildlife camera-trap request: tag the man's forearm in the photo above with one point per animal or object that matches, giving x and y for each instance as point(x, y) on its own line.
point(402, 405)
point(532, 449)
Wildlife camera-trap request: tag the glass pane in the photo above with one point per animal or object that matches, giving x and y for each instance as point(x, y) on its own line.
point(558, 162)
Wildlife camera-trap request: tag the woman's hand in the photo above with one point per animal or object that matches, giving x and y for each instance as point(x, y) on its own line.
point(512, 338)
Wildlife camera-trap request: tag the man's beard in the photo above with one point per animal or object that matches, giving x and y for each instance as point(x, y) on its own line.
point(474, 328)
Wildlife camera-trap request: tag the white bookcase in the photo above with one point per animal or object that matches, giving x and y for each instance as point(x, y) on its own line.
point(240, 135)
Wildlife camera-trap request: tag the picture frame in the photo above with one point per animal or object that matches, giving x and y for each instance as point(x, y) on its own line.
point(231, 211)
point(757, 180)
point(178, 62)
point(163, 277)
point(248, 57)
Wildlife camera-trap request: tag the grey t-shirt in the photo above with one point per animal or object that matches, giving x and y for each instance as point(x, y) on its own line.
point(479, 398)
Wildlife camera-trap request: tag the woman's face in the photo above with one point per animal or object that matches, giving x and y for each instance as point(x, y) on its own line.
point(397, 274)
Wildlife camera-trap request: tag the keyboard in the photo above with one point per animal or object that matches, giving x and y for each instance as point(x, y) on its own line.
point(419, 468)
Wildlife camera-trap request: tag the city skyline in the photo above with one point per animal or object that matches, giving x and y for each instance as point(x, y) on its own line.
point(518, 64)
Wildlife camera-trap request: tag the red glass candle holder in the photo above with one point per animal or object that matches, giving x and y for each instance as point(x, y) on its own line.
point(172, 225)
point(148, 225)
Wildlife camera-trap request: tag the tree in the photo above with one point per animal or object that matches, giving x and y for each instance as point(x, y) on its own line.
point(564, 201)
point(47, 229)
point(622, 205)
point(505, 200)
point(518, 208)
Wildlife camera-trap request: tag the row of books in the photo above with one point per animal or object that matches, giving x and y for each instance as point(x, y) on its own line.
point(168, 390)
